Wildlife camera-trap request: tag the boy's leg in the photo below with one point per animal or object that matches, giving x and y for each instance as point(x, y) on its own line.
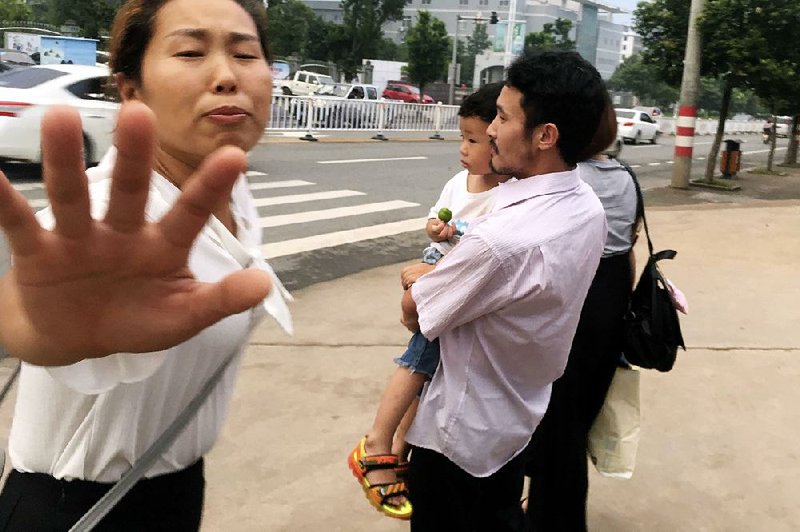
point(399, 394)
point(399, 446)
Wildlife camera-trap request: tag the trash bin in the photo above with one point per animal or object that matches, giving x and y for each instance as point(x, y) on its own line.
point(731, 160)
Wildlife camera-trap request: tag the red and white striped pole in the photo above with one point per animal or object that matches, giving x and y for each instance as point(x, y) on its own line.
point(687, 112)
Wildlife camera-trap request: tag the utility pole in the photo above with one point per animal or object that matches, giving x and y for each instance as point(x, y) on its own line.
point(687, 111)
point(454, 71)
point(512, 15)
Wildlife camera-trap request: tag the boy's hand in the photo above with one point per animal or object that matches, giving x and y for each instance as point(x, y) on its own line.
point(439, 231)
point(410, 274)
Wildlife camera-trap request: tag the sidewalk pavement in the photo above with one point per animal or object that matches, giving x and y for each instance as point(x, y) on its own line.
point(719, 433)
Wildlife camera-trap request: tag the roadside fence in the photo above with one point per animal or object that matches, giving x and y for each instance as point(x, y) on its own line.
point(312, 115)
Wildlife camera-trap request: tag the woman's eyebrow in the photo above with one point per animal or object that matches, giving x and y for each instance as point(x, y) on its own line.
point(233, 37)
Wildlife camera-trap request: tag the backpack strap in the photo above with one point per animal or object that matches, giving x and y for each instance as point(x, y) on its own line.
point(639, 203)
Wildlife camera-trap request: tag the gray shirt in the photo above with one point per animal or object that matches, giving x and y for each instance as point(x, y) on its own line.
point(615, 188)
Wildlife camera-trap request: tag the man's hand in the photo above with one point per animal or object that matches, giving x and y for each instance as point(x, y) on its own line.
point(439, 231)
point(90, 288)
point(410, 274)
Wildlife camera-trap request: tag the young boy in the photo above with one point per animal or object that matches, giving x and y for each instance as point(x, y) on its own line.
point(377, 460)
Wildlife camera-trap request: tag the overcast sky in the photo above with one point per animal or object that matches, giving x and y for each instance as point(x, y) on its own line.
point(627, 5)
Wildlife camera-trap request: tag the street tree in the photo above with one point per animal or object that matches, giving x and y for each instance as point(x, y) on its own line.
point(291, 25)
point(428, 46)
point(14, 10)
point(746, 44)
point(94, 17)
point(554, 36)
point(477, 43)
point(643, 80)
point(361, 30)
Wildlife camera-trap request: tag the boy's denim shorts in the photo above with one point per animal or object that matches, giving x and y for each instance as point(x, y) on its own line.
point(422, 355)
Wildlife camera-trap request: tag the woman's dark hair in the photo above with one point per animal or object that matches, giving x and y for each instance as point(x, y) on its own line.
point(134, 25)
point(564, 89)
point(606, 132)
point(482, 103)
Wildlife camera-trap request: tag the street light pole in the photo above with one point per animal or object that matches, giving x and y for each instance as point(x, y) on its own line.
point(512, 15)
point(453, 65)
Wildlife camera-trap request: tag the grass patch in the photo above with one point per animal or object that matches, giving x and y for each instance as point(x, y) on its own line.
point(762, 170)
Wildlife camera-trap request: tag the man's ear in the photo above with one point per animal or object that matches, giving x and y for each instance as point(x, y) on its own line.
point(548, 136)
point(128, 89)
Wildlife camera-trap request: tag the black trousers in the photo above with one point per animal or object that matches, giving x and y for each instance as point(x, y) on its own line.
point(447, 498)
point(557, 461)
point(35, 502)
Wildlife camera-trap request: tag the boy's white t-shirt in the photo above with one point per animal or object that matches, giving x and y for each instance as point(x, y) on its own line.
point(465, 206)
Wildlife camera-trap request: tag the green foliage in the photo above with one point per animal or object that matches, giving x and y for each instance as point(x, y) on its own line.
point(388, 50)
point(291, 27)
point(663, 25)
point(643, 80)
point(554, 36)
point(92, 16)
point(476, 44)
point(11, 10)
point(428, 44)
point(361, 32)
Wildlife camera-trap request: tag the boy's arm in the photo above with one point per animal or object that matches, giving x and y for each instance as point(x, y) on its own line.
point(409, 317)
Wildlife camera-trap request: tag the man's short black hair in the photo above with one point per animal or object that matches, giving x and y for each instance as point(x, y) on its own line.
point(564, 89)
point(482, 103)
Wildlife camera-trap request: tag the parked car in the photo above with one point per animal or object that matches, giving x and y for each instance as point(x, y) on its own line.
point(303, 83)
point(333, 107)
point(26, 93)
point(404, 92)
point(13, 59)
point(635, 126)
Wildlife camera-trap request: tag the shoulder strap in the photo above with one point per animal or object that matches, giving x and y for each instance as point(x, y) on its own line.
point(639, 203)
point(97, 512)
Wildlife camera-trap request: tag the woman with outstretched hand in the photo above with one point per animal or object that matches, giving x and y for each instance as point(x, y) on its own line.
point(125, 295)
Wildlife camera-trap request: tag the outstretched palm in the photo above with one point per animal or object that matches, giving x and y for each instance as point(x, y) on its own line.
point(90, 288)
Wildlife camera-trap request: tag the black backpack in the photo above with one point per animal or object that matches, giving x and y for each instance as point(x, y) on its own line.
point(652, 332)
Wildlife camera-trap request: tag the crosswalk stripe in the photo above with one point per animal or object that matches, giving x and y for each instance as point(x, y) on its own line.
point(38, 203)
point(24, 187)
point(299, 245)
point(300, 198)
point(255, 173)
point(329, 214)
point(346, 161)
point(280, 184)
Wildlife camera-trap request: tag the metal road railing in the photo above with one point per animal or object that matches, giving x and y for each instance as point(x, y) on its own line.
point(312, 115)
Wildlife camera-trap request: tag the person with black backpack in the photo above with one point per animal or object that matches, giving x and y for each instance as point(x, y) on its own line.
point(557, 453)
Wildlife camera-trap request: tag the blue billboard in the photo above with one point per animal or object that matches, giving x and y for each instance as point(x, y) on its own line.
point(67, 50)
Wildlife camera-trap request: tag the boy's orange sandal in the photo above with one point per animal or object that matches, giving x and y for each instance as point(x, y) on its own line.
point(378, 494)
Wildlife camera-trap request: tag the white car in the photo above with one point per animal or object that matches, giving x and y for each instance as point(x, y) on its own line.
point(636, 126)
point(26, 93)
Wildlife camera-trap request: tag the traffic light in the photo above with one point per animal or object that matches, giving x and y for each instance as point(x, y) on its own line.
point(493, 18)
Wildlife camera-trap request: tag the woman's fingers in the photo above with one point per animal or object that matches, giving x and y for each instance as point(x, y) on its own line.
point(130, 181)
point(209, 188)
point(236, 293)
point(23, 232)
point(64, 171)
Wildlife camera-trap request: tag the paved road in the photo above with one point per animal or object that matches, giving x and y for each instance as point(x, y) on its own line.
point(331, 209)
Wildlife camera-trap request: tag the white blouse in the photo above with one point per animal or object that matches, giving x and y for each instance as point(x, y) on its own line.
point(92, 420)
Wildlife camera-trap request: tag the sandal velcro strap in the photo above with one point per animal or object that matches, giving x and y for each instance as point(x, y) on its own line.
point(390, 489)
point(378, 461)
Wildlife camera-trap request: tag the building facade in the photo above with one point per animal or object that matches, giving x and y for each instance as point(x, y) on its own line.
point(597, 37)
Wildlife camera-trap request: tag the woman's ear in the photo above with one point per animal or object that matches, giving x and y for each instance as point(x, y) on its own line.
point(128, 89)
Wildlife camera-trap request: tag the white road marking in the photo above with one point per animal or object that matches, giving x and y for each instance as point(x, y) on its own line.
point(300, 198)
point(345, 161)
point(329, 214)
point(699, 158)
point(255, 173)
point(653, 164)
point(23, 187)
point(670, 162)
point(280, 184)
point(38, 203)
point(636, 166)
point(762, 151)
point(299, 245)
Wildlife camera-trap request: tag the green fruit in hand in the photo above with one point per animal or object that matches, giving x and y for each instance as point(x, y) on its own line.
point(445, 215)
